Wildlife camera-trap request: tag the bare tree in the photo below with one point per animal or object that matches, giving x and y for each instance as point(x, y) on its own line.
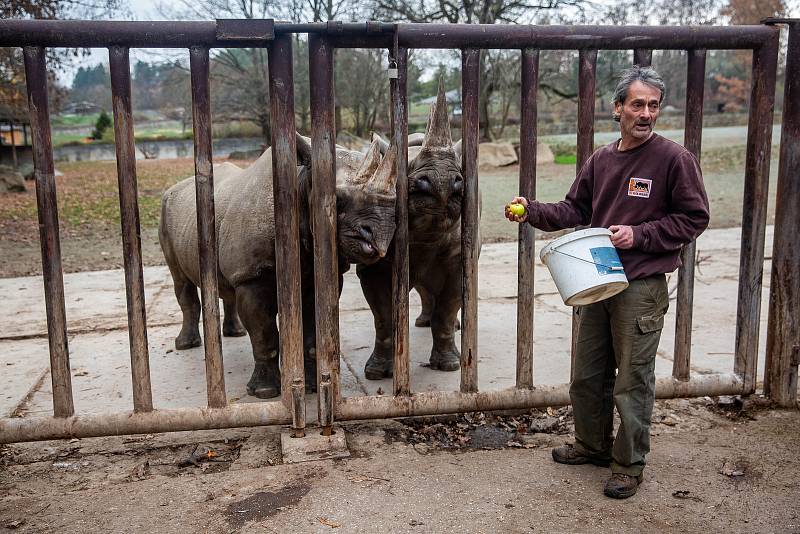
point(475, 12)
point(13, 95)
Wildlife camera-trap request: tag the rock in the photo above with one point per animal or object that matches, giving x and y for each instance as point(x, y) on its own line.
point(496, 155)
point(11, 181)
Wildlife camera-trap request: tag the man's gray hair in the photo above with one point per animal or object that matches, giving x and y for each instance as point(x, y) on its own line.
point(636, 73)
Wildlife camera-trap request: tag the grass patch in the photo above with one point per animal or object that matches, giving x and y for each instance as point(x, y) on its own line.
point(74, 120)
point(566, 159)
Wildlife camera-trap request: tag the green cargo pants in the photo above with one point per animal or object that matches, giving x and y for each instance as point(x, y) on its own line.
point(618, 334)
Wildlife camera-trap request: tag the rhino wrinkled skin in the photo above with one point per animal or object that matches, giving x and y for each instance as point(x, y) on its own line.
point(435, 194)
point(245, 226)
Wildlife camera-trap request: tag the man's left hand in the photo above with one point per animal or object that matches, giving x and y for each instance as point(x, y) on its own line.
point(621, 236)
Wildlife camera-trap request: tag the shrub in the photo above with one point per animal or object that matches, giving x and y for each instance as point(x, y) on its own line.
point(103, 123)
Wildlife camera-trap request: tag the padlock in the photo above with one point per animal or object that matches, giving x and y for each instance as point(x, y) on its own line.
point(392, 70)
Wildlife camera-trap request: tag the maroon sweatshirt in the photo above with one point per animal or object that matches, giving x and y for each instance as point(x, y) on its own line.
point(657, 188)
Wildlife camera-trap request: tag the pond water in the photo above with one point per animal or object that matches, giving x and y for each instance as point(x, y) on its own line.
point(183, 148)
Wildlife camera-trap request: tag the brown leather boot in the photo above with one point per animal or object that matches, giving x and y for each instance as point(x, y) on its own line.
point(621, 486)
point(568, 454)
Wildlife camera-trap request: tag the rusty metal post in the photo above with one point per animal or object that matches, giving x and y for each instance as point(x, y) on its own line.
point(692, 137)
point(119, 64)
point(47, 206)
point(298, 409)
point(287, 204)
point(783, 327)
point(206, 227)
point(325, 394)
point(587, 66)
point(642, 57)
point(470, 130)
point(754, 216)
point(323, 192)
point(400, 282)
point(526, 248)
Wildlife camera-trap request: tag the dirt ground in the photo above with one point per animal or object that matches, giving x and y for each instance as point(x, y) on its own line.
point(714, 467)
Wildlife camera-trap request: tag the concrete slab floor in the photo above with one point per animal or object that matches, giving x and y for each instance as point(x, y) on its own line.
point(100, 361)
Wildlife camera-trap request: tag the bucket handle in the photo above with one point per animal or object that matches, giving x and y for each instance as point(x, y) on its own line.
point(616, 268)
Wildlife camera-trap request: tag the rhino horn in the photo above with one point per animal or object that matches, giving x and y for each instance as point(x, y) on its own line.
point(384, 144)
point(368, 166)
point(437, 135)
point(385, 178)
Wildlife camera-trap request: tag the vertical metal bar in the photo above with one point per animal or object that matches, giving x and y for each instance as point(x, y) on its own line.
point(754, 217)
point(323, 166)
point(470, 91)
point(119, 63)
point(47, 206)
point(587, 65)
point(298, 409)
point(783, 327)
point(206, 227)
point(287, 203)
point(527, 189)
point(692, 137)
point(400, 283)
point(642, 57)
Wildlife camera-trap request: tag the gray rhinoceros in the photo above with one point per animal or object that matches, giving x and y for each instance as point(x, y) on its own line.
point(435, 193)
point(245, 224)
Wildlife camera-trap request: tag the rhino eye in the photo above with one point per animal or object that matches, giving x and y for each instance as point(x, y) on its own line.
point(423, 183)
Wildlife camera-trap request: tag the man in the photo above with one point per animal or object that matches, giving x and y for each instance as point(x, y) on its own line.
point(648, 191)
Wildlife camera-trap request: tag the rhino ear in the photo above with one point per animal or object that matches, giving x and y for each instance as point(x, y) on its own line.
point(457, 149)
point(437, 134)
point(416, 139)
point(368, 165)
point(383, 144)
point(303, 150)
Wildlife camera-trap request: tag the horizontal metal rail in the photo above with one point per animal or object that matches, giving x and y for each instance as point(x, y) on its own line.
point(349, 409)
point(233, 34)
point(121, 423)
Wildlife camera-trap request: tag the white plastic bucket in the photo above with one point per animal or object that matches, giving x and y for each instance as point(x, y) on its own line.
point(585, 266)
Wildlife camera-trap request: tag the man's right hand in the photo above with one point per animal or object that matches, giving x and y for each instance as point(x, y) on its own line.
point(517, 218)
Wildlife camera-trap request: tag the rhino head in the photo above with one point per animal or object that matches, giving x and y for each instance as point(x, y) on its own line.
point(435, 181)
point(365, 200)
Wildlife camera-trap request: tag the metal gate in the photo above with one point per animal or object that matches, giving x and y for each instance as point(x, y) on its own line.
point(324, 38)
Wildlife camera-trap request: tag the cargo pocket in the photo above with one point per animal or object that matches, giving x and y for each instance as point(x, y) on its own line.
point(650, 323)
point(645, 343)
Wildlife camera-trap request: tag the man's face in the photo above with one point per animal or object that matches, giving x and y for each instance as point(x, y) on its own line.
point(638, 114)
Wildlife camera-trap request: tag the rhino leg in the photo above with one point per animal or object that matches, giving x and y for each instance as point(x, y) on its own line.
point(375, 281)
point(186, 293)
point(257, 304)
point(444, 354)
point(231, 325)
point(424, 318)
point(309, 337)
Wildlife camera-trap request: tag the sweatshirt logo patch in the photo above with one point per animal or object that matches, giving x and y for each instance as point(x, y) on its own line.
point(639, 187)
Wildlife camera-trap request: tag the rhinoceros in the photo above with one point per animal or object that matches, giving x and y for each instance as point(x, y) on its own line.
point(245, 225)
point(435, 193)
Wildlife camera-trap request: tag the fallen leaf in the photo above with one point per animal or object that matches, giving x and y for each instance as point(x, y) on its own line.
point(327, 522)
point(730, 469)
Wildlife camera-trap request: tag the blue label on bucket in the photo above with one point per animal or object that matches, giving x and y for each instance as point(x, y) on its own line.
point(606, 260)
